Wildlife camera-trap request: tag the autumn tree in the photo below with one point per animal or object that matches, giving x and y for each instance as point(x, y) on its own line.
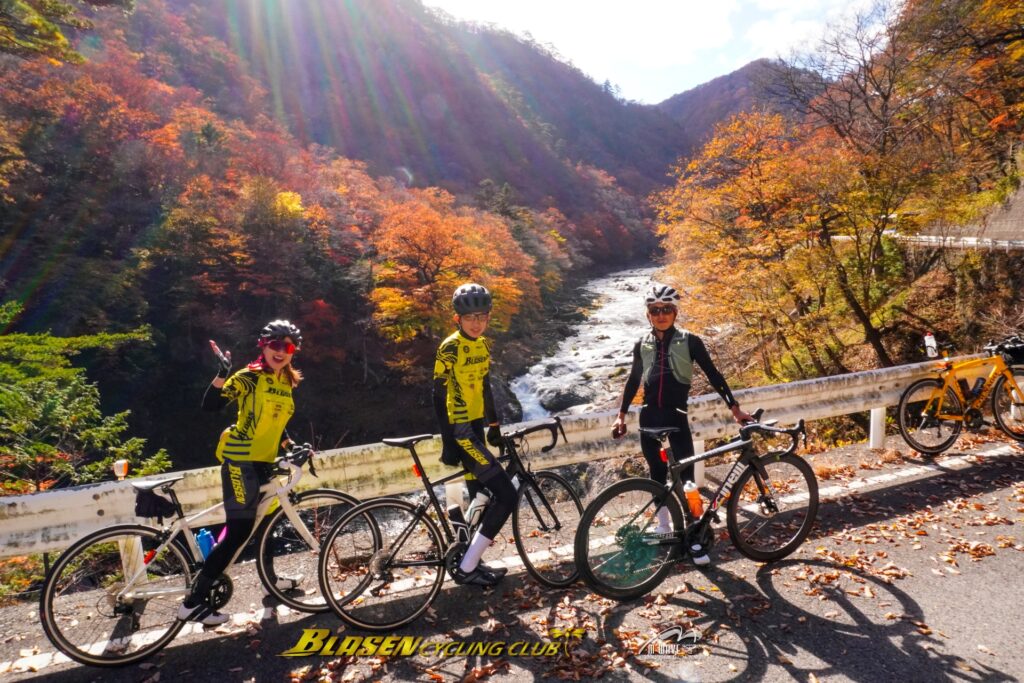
point(861, 93)
point(735, 231)
point(426, 248)
point(30, 28)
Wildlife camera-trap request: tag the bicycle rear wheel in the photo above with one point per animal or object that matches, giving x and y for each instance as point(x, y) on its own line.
point(287, 560)
point(617, 551)
point(381, 565)
point(1008, 404)
point(917, 418)
point(768, 518)
point(544, 524)
point(89, 615)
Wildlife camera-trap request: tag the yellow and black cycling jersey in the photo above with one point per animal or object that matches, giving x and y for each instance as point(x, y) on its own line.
point(264, 407)
point(462, 390)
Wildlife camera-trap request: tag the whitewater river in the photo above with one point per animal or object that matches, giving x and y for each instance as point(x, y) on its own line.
point(588, 370)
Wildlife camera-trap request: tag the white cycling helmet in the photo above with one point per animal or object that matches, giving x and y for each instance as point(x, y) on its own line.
point(661, 294)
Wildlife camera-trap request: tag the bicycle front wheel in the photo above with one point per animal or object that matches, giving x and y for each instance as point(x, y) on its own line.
point(1008, 404)
point(618, 550)
point(112, 598)
point(381, 565)
point(924, 413)
point(770, 516)
point(544, 523)
point(288, 556)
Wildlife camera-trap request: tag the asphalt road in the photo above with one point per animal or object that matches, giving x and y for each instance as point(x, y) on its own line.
point(912, 574)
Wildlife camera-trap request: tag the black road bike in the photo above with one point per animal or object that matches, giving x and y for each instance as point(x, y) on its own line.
point(771, 501)
point(383, 564)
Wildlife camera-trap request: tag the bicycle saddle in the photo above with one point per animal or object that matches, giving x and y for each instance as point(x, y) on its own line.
point(407, 441)
point(659, 432)
point(150, 485)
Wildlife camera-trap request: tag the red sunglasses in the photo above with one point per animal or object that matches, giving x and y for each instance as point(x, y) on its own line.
point(279, 346)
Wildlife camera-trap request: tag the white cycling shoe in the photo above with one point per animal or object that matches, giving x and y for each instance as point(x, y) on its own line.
point(203, 614)
point(288, 583)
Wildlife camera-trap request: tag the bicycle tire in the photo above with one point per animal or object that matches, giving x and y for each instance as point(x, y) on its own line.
point(633, 567)
point(786, 514)
point(1008, 409)
point(357, 570)
point(79, 608)
point(284, 553)
point(545, 537)
point(914, 426)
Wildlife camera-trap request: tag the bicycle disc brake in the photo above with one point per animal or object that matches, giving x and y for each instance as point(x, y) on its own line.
point(453, 556)
point(221, 591)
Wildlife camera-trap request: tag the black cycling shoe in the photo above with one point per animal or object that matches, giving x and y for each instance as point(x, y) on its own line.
point(497, 571)
point(478, 577)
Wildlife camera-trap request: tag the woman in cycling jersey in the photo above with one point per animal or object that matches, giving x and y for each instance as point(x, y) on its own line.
point(247, 450)
point(663, 361)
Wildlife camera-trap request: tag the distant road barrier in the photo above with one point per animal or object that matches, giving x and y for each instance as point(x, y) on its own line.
point(53, 520)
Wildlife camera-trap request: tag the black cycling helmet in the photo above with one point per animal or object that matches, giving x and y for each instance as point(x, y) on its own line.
point(471, 298)
point(279, 329)
point(661, 294)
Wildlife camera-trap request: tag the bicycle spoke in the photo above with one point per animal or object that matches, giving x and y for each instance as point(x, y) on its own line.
point(544, 525)
point(383, 565)
point(89, 613)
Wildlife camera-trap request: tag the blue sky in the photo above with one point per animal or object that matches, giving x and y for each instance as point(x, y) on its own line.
point(653, 49)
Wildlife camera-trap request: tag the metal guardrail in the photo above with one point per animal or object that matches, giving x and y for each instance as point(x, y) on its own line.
point(53, 520)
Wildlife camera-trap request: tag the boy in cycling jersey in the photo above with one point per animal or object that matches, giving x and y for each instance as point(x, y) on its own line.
point(663, 361)
point(462, 403)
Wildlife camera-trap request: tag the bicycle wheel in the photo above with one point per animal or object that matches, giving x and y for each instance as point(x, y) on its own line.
point(544, 524)
point(287, 560)
point(1008, 404)
point(88, 613)
point(381, 565)
point(617, 552)
point(769, 518)
point(917, 421)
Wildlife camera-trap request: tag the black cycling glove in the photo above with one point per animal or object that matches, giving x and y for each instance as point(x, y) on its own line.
point(494, 435)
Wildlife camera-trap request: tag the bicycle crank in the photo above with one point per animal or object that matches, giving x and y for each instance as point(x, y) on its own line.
point(973, 419)
point(220, 591)
point(453, 556)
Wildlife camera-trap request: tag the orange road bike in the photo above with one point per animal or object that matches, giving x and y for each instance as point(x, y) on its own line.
point(933, 411)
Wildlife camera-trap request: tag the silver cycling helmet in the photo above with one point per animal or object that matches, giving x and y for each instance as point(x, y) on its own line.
point(661, 294)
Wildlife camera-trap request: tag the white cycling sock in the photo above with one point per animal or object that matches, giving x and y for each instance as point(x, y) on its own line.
point(475, 551)
point(664, 520)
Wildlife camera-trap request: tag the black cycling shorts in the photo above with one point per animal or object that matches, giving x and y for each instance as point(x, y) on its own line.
point(241, 482)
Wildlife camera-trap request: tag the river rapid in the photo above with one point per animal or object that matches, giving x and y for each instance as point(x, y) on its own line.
point(589, 368)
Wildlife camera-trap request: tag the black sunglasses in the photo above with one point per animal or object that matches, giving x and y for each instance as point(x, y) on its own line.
point(661, 310)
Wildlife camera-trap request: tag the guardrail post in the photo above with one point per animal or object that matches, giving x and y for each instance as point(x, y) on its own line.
point(698, 468)
point(877, 436)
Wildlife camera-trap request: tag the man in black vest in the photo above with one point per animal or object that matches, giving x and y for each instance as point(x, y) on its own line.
point(663, 362)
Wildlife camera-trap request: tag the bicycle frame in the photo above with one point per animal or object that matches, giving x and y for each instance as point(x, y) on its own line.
point(949, 375)
point(509, 453)
point(135, 573)
point(674, 483)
